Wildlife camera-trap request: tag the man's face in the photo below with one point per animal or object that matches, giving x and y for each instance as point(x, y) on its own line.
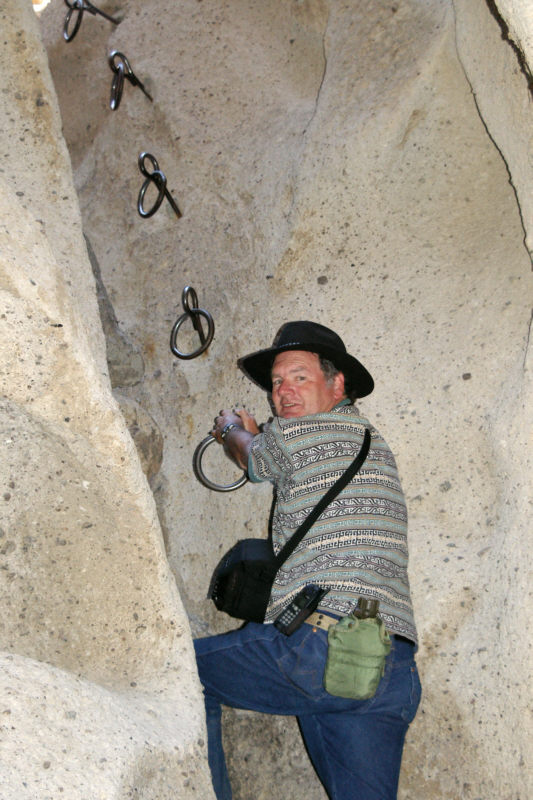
point(300, 388)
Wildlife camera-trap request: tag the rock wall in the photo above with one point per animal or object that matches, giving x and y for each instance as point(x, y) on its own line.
point(99, 695)
point(366, 165)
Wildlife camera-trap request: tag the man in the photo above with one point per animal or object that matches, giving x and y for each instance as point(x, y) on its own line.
point(357, 548)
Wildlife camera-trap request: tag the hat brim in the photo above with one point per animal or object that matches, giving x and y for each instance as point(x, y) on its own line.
point(258, 366)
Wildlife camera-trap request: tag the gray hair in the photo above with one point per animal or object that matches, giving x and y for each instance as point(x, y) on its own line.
point(330, 370)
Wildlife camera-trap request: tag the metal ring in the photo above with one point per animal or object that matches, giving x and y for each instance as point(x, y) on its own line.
point(76, 5)
point(125, 63)
point(124, 67)
point(160, 181)
point(117, 86)
point(197, 468)
point(193, 312)
point(150, 157)
point(187, 292)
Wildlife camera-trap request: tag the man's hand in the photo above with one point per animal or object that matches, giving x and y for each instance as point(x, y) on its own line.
point(248, 421)
point(224, 418)
point(238, 440)
point(239, 417)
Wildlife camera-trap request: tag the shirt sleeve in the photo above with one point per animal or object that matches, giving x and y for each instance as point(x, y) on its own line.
point(264, 459)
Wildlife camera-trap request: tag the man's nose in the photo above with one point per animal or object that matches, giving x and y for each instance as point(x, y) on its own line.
point(286, 388)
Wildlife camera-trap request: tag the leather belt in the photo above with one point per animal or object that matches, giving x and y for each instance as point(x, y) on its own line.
point(319, 619)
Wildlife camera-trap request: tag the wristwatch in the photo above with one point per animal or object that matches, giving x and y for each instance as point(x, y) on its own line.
point(226, 429)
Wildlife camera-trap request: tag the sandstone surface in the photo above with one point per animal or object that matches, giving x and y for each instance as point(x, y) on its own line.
point(99, 694)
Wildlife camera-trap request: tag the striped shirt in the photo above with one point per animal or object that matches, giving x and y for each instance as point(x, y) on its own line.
point(358, 546)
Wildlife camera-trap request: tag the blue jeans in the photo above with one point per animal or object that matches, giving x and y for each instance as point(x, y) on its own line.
point(355, 745)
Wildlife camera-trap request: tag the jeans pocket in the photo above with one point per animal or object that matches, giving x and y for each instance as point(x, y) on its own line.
point(304, 662)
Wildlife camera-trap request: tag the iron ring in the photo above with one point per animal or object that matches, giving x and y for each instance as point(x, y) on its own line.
point(76, 5)
point(194, 313)
point(197, 469)
point(186, 293)
point(152, 159)
point(123, 60)
point(160, 181)
point(117, 87)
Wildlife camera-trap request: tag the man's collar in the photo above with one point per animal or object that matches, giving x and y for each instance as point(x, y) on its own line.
point(345, 402)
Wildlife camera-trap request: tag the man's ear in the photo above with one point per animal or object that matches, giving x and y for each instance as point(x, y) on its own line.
point(338, 384)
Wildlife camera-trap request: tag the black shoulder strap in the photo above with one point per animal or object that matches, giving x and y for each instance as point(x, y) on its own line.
point(332, 492)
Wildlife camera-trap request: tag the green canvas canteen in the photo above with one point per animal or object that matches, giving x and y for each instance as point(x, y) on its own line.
point(357, 649)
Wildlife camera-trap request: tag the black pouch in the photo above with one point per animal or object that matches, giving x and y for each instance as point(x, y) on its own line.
point(242, 580)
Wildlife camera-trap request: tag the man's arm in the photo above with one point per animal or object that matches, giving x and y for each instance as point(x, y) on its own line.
point(237, 440)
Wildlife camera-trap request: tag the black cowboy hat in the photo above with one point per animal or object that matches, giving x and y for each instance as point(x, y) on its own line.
point(315, 338)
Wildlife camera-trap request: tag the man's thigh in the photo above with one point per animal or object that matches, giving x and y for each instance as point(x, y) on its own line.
point(261, 669)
